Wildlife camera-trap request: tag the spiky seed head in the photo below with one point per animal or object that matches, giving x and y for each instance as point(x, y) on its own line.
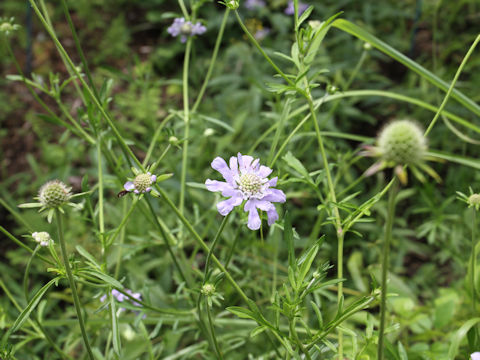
point(208, 289)
point(142, 182)
point(54, 194)
point(402, 142)
point(474, 200)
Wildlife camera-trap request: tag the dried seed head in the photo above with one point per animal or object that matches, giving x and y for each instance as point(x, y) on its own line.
point(402, 142)
point(54, 194)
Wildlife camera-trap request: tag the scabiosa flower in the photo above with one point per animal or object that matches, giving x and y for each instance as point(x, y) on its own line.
point(42, 238)
point(252, 4)
point(290, 9)
point(475, 356)
point(473, 200)
point(121, 297)
point(7, 26)
point(52, 196)
point(185, 28)
point(261, 34)
point(141, 184)
point(401, 143)
point(246, 180)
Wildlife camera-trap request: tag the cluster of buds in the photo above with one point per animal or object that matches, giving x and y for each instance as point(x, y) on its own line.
point(8, 27)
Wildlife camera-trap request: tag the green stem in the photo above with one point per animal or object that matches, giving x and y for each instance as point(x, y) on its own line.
point(298, 341)
point(68, 270)
point(126, 150)
point(167, 244)
point(186, 119)
point(452, 85)
point(385, 262)
point(101, 221)
point(474, 260)
point(212, 330)
point(214, 244)
point(212, 61)
point(257, 45)
point(27, 271)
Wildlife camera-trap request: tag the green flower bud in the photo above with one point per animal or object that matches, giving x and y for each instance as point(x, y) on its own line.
point(54, 194)
point(402, 142)
point(474, 201)
point(208, 289)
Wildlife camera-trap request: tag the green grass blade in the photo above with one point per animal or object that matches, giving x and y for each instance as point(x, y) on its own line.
point(364, 35)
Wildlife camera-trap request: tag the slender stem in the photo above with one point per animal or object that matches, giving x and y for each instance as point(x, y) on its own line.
point(79, 48)
point(214, 244)
point(212, 61)
point(68, 270)
point(186, 119)
point(123, 145)
point(294, 334)
point(167, 244)
point(212, 329)
point(474, 260)
point(101, 221)
point(452, 85)
point(257, 45)
point(385, 262)
point(27, 271)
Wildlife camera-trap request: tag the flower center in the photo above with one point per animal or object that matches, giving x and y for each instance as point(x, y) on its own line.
point(142, 182)
point(186, 29)
point(250, 184)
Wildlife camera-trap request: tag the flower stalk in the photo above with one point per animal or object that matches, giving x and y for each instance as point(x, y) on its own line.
point(71, 280)
point(385, 262)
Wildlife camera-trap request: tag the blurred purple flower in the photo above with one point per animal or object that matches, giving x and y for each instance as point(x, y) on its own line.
point(261, 34)
point(121, 297)
point(290, 10)
point(185, 28)
point(246, 180)
point(475, 356)
point(252, 4)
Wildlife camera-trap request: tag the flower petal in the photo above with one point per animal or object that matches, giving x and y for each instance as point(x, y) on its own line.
point(234, 166)
point(129, 186)
point(221, 166)
point(272, 216)
point(244, 162)
point(224, 207)
point(273, 182)
point(275, 195)
point(264, 171)
point(254, 221)
point(214, 185)
point(153, 178)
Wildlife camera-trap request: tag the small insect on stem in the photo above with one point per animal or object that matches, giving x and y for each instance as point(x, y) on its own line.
point(122, 193)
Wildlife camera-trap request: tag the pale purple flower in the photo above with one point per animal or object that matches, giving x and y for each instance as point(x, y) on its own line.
point(42, 237)
point(121, 297)
point(261, 34)
point(141, 184)
point(290, 10)
point(185, 28)
point(475, 356)
point(252, 4)
point(246, 180)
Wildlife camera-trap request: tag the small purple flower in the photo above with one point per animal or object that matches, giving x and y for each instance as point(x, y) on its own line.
point(290, 10)
point(121, 297)
point(475, 356)
point(252, 4)
point(261, 34)
point(141, 184)
point(185, 28)
point(246, 180)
